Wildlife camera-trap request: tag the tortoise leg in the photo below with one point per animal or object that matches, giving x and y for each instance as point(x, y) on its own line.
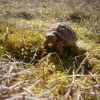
point(74, 49)
point(46, 45)
point(59, 49)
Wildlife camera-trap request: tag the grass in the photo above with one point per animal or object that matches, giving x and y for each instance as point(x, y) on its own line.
point(27, 71)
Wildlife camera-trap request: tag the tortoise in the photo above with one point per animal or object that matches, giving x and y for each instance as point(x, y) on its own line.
point(60, 35)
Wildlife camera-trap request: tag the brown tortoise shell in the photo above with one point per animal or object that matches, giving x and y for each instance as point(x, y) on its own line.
point(59, 35)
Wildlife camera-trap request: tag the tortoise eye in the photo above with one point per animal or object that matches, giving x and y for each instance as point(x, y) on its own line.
point(61, 29)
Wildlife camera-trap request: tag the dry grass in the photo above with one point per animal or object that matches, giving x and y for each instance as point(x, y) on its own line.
point(26, 81)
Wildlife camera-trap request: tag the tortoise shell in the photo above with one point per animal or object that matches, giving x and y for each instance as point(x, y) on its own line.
point(64, 33)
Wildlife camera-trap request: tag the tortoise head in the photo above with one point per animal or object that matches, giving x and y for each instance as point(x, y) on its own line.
point(51, 38)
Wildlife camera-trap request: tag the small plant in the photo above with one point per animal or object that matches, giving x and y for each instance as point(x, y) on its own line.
point(78, 17)
point(24, 15)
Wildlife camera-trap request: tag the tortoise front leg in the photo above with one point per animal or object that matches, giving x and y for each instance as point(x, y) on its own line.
point(46, 45)
point(59, 49)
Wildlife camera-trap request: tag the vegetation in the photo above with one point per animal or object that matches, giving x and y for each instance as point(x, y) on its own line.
point(28, 72)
